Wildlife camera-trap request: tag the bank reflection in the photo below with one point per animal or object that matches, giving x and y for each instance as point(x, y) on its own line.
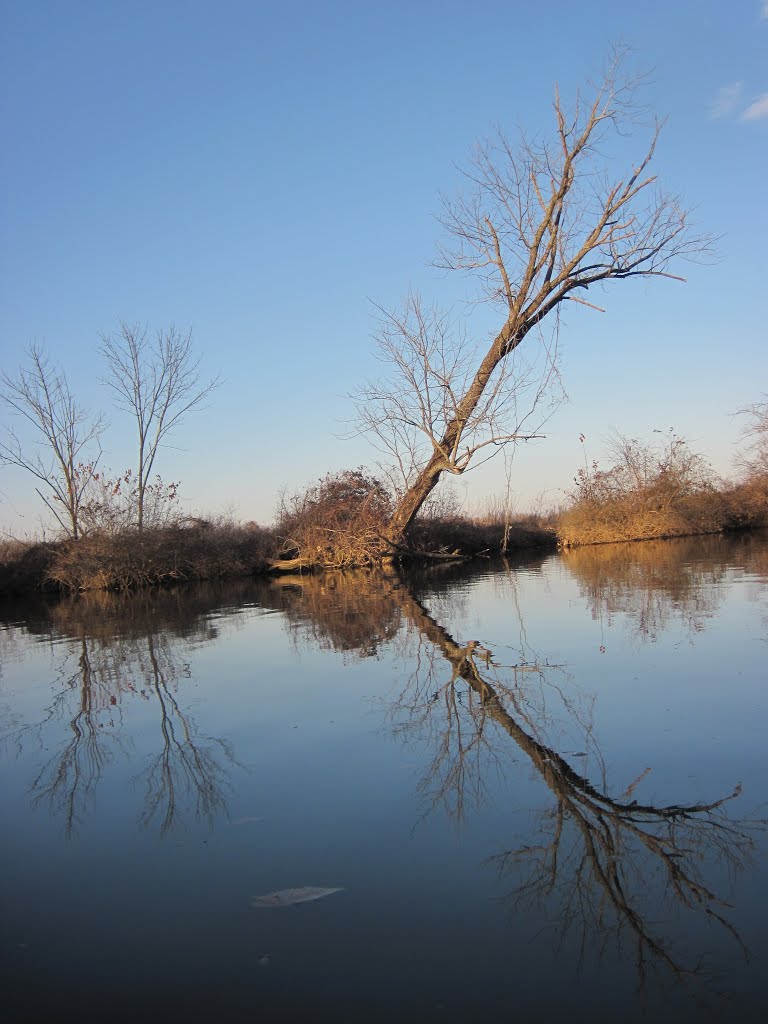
point(353, 614)
point(654, 584)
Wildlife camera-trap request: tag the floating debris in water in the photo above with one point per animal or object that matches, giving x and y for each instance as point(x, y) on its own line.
point(289, 897)
point(263, 959)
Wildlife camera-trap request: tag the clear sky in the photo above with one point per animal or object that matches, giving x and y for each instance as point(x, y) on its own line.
point(261, 172)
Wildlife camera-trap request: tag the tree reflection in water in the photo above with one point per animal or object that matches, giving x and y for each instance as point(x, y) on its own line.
point(128, 647)
point(67, 781)
point(603, 857)
point(190, 770)
point(610, 866)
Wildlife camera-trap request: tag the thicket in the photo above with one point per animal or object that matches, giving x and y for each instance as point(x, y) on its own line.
point(657, 489)
point(129, 559)
point(339, 521)
point(476, 535)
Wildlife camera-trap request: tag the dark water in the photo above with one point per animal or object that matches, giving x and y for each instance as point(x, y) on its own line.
point(539, 786)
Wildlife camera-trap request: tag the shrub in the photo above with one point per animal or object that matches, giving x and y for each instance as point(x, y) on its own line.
point(338, 521)
point(109, 505)
point(24, 566)
point(198, 550)
point(661, 489)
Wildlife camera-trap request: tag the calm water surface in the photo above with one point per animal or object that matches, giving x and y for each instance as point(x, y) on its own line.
point(540, 787)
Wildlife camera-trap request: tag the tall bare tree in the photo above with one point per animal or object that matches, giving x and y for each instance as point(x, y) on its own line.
point(542, 221)
point(65, 435)
point(156, 379)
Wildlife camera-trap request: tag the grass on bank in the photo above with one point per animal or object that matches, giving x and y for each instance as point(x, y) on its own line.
point(640, 516)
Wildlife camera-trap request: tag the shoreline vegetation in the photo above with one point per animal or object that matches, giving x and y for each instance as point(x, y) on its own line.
point(338, 524)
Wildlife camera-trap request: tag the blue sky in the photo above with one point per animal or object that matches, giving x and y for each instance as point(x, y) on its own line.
point(263, 172)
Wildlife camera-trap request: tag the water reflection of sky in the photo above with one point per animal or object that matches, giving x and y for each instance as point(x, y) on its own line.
point(169, 757)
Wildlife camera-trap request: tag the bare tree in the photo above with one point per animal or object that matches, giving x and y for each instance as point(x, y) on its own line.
point(432, 363)
point(39, 393)
point(755, 433)
point(542, 222)
point(157, 380)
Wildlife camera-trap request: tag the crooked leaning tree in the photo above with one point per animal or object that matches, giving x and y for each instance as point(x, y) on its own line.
point(540, 224)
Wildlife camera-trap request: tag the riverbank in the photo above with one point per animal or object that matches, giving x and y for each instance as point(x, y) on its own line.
point(197, 550)
point(208, 551)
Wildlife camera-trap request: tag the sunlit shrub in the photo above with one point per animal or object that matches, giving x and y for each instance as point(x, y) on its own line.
point(657, 489)
point(338, 521)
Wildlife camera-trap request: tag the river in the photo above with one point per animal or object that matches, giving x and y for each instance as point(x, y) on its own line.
point(532, 787)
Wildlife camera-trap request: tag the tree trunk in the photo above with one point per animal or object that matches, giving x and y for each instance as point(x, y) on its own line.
point(408, 507)
point(444, 459)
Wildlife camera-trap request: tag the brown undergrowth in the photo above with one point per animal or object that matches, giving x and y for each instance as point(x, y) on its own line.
point(657, 491)
point(341, 522)
point(130, 560)
point(640, 516)
point(474, 536)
